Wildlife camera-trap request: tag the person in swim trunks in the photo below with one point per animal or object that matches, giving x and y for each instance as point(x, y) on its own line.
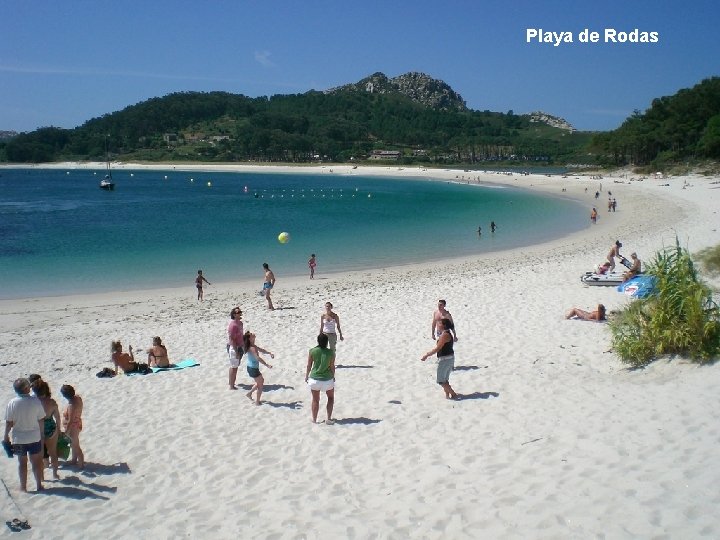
point(438, 315)
point(268, 284)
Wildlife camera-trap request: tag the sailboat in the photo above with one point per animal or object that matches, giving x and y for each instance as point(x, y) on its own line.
point(107, 182)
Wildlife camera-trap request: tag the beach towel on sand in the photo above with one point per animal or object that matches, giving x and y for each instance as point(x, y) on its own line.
point(182, 364)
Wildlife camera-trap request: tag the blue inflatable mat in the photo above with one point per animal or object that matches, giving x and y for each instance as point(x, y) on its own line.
point(638, 287)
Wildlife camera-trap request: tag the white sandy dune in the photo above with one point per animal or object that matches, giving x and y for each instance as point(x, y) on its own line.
point(553, 438)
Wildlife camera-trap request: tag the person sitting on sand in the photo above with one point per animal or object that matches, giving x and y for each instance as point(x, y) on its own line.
point(72, 421)
point(320, 376)
point(123, 360)
point(51, 423)
point(157, 355)
point(253, 361)
point(597, 315)
point(634, 269)
point(446, 358)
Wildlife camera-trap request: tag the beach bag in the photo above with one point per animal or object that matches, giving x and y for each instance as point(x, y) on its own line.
point(63, 446)
point(105, 373)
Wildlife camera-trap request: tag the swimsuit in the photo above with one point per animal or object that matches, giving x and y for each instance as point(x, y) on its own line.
point(267, 285)
point(74, 422)
point(49, 426)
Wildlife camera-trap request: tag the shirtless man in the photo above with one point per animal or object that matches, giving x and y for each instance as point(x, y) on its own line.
point(121, 359)
point(614, 252)
point(634, 270)
point(268, 284)
point(441, 313)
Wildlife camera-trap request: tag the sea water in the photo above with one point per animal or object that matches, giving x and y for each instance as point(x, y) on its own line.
point(61, 234)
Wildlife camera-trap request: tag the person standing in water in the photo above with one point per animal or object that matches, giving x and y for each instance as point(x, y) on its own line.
point(268, 284)
point(199, 284)
point(492, 226)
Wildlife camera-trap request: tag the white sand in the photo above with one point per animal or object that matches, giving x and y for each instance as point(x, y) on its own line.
point(554, 439)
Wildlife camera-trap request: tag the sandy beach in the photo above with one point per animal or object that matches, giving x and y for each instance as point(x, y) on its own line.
point(553, 437)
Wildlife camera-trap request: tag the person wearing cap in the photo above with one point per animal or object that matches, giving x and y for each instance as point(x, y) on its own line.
point(614, 252)
point(24, 415)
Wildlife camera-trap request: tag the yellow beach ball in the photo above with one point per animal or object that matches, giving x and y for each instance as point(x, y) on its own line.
point(284, 237)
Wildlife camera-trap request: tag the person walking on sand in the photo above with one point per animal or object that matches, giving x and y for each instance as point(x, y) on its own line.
point(234, 344)
point(593, 215)
point(614, 252)
point(253, 362)
point(72, 421)
point(330, 326)
point(439, 314)
point(446, 358)
point(268, 284)
point(199, 284)
point(312, 263)
point(24, 415)
point(320, 377)
point(51, 423)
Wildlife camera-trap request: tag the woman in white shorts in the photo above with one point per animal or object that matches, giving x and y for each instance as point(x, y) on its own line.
point(320, 377)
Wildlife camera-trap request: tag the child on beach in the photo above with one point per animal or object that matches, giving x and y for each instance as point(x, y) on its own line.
point(312, 263)
point(199, 284)
point(253, 362)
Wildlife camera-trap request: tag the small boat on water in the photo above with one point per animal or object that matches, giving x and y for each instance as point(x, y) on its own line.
point(107, 183)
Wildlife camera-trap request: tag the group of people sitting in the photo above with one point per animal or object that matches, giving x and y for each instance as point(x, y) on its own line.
point(157, 357)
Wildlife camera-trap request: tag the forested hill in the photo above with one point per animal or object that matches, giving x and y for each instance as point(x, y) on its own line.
point(410, 119)
point(675, 128)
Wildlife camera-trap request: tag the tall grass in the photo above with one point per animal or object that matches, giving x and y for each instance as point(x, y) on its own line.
point(680, 318)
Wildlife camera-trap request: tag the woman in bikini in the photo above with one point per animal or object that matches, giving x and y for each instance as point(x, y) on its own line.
point(597, 315)
point(51, 423)
point(72, 421)
point(157, 355)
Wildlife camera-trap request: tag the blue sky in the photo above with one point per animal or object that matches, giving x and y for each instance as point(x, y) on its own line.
point(62, 63)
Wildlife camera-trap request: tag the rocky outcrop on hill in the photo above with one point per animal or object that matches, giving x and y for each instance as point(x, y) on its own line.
point(550, 120)
point(419, 87)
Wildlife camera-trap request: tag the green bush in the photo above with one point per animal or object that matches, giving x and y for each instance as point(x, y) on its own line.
point(680, 318)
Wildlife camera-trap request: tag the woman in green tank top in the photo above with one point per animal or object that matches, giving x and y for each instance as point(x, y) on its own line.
point(320, 377)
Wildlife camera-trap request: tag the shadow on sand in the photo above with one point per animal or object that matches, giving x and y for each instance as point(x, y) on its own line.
point(478, 395)
point(360, 420)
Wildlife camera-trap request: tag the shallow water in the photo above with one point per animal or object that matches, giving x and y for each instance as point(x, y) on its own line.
point(61, 234)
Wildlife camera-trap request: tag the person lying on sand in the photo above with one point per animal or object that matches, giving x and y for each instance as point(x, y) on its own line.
point(597, 315)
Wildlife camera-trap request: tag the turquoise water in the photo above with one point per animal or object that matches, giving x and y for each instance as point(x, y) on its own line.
point(61, 234)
